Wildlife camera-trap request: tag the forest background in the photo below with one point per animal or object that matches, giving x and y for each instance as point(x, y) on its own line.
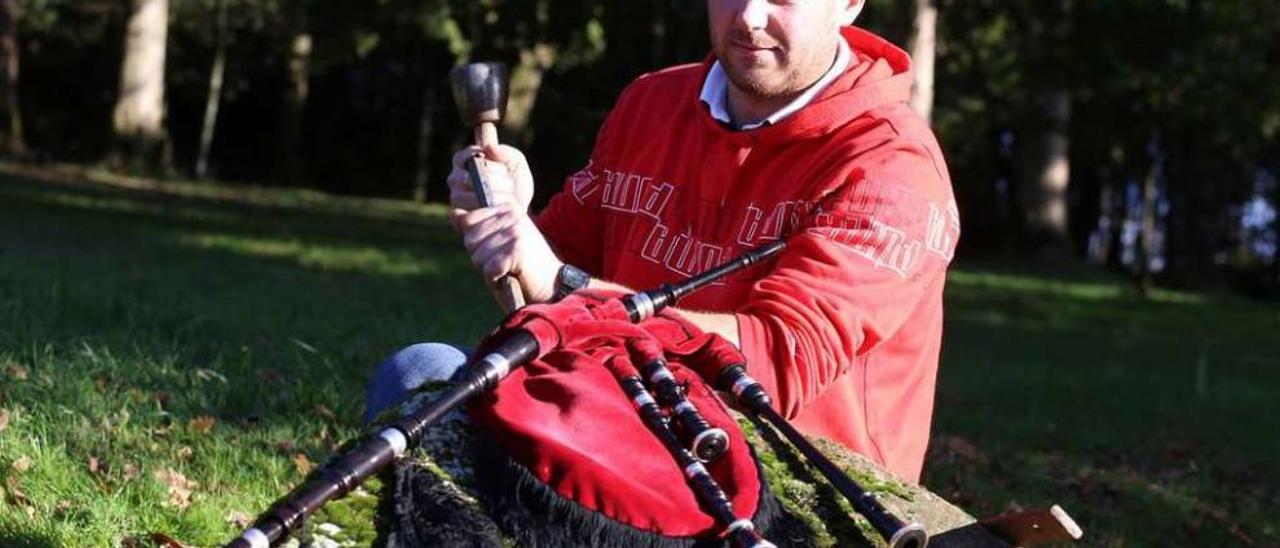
point(1140, 135)
point(215, 215)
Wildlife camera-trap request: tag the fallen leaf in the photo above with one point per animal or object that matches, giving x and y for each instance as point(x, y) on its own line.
point(966, 449)
point(22, 464)
point(303, 345)
point(137, 395)
point(1231, 526)
point(302, 463)
point(94, 465)
point(239, 519)
point(16, 372)
point(326, 412)
point(1182, 450)
point(62, 507)
point(185, 452)
point(180, 488)
point(18, 497)
point(4, 419)
point(166, 541)
point(209, 374)
point(129, 471)
point(202, 424)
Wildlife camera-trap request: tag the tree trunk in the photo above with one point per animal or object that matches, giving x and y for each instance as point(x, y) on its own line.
point(214, 99)
point(1047, 172)
point(924, 42)
point(138, 120)
point(296, 103)
point(526, 79)
point(426, 128)
point(14, 142)
point(1147, 247)
point(1102, 242)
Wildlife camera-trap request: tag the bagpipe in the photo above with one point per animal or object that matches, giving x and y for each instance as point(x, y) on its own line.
point(579, 327)
point(587, 378)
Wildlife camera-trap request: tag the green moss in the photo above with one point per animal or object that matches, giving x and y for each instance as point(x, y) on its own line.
point(814, 504)
point(357, 515)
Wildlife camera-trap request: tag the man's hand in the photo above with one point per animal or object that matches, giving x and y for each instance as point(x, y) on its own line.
point(502, 238)
point(506, 170)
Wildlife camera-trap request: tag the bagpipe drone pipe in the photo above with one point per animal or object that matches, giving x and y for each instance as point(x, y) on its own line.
point(577, 451)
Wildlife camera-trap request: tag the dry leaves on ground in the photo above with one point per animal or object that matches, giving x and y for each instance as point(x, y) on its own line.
point(16, 372)
point(166, 541)
point(17, 498)
point(180, 488)
point(202, 424)
point(239, 519)
point(4, 419)
point(302, 463)
point(22, 464)
point(325, 412)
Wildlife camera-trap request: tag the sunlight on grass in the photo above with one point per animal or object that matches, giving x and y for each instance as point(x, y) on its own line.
point(134, 207)
point(1087, 291)
point(1026, 284)
point(299, 199)
point(363, 259)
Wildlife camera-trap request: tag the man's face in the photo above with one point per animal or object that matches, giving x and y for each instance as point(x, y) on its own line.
point(776, 48)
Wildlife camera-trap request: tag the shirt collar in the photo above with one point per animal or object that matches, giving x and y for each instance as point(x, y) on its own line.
point(715, 91)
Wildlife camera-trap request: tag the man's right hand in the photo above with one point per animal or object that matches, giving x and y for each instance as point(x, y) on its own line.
point(505, 170)
point(502, 239)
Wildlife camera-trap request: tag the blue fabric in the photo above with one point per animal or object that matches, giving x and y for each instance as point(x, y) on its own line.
point(407, 369)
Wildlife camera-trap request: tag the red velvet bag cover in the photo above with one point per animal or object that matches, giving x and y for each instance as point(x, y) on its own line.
point(565, 418)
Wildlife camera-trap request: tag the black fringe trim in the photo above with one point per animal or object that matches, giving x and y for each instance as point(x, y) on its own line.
point(535, 516)
point(430, 513)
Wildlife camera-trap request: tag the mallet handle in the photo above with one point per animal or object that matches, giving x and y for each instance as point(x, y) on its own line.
point(506, 289)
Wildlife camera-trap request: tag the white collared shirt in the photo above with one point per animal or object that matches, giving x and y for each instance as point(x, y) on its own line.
point(715, 91)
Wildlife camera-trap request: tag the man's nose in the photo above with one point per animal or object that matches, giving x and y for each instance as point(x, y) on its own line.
point(753, 14)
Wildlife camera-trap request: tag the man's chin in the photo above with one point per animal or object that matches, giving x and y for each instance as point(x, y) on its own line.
point(757, 85)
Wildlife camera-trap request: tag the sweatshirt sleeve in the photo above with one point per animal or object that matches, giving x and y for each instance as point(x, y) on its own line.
point(852, 274)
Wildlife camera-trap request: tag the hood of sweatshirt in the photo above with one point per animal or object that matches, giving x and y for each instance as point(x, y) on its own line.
point(880, 73)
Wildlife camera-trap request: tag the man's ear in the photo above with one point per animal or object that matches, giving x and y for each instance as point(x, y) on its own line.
point(851, 11)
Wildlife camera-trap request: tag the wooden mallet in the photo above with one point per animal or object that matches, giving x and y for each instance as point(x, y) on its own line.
point(480, 92)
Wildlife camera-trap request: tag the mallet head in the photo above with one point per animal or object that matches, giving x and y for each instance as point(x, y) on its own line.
point(480, 91)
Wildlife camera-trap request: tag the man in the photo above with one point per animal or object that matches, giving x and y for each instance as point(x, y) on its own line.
point(796, 128)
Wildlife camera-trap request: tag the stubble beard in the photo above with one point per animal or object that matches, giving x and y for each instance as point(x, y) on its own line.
point(758, 82)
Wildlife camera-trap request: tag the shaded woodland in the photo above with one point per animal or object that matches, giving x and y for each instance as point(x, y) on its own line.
point(1139, 135)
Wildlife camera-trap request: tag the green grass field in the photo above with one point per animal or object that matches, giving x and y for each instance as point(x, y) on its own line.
point(173, 357)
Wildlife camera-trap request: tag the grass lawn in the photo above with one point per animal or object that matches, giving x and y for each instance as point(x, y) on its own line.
point(173, 357)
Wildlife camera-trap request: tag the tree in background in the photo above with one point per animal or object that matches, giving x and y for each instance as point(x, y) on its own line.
point(1043, 146)
point(1134, 130)
point(139, 115)
point(216, 74)
point(14, 143)
point(923, 46)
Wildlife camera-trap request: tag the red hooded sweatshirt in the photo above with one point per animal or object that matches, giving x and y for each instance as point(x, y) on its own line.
point(843, 329)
